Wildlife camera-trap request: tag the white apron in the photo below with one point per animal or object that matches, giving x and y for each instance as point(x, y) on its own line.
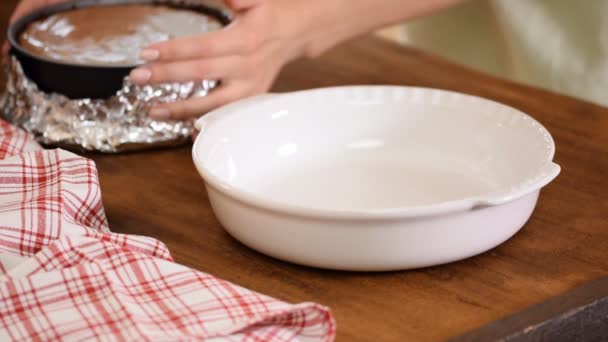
point(561, 45)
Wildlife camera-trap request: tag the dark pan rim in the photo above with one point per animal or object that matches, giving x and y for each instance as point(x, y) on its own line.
point(16, 28)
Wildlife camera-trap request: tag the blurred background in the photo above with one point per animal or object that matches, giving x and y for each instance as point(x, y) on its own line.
point(560, 45)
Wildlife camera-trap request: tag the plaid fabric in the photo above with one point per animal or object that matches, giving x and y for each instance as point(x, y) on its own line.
point(14, 141)
point(65, 276)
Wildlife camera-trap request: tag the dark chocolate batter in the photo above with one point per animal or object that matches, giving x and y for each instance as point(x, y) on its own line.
point(110, 35)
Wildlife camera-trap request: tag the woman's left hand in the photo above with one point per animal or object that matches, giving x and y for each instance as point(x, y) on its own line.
point(246, 56)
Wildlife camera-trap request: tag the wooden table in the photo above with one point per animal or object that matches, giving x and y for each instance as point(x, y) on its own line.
point(563, 246)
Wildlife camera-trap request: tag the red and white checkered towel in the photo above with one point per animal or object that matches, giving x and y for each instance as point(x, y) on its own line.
point(65, 276)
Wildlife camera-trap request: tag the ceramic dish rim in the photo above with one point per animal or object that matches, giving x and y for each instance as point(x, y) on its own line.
point(544, 175)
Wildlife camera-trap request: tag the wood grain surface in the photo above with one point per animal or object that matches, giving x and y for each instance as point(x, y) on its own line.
point(580, 314)
point(564, 245)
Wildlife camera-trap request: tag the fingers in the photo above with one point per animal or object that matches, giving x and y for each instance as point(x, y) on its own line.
point(185, 71)
point(240, 5)
point(27, 6)
point(23, 8)
point(237, 55)
point(228, 41)
point(198, 106)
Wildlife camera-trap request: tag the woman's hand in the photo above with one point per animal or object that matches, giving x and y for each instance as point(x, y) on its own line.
point(246, 55)
point(26, 6)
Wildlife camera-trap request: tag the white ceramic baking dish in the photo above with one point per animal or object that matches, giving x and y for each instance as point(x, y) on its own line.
point(372, 177)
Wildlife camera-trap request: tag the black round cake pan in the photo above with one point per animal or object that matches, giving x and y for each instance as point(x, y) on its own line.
point(77, 81)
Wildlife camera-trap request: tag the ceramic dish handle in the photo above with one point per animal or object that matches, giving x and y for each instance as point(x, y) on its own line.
point(545, 174)
point(249, 101)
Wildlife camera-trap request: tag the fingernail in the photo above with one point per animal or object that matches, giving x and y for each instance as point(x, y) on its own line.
point(149, 55)
point(159, 113)
point(141, 75)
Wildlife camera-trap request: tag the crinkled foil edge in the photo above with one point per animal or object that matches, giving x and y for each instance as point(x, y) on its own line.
point(112, 125)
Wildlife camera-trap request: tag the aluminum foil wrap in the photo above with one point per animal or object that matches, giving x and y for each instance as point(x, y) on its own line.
point(116, 124)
